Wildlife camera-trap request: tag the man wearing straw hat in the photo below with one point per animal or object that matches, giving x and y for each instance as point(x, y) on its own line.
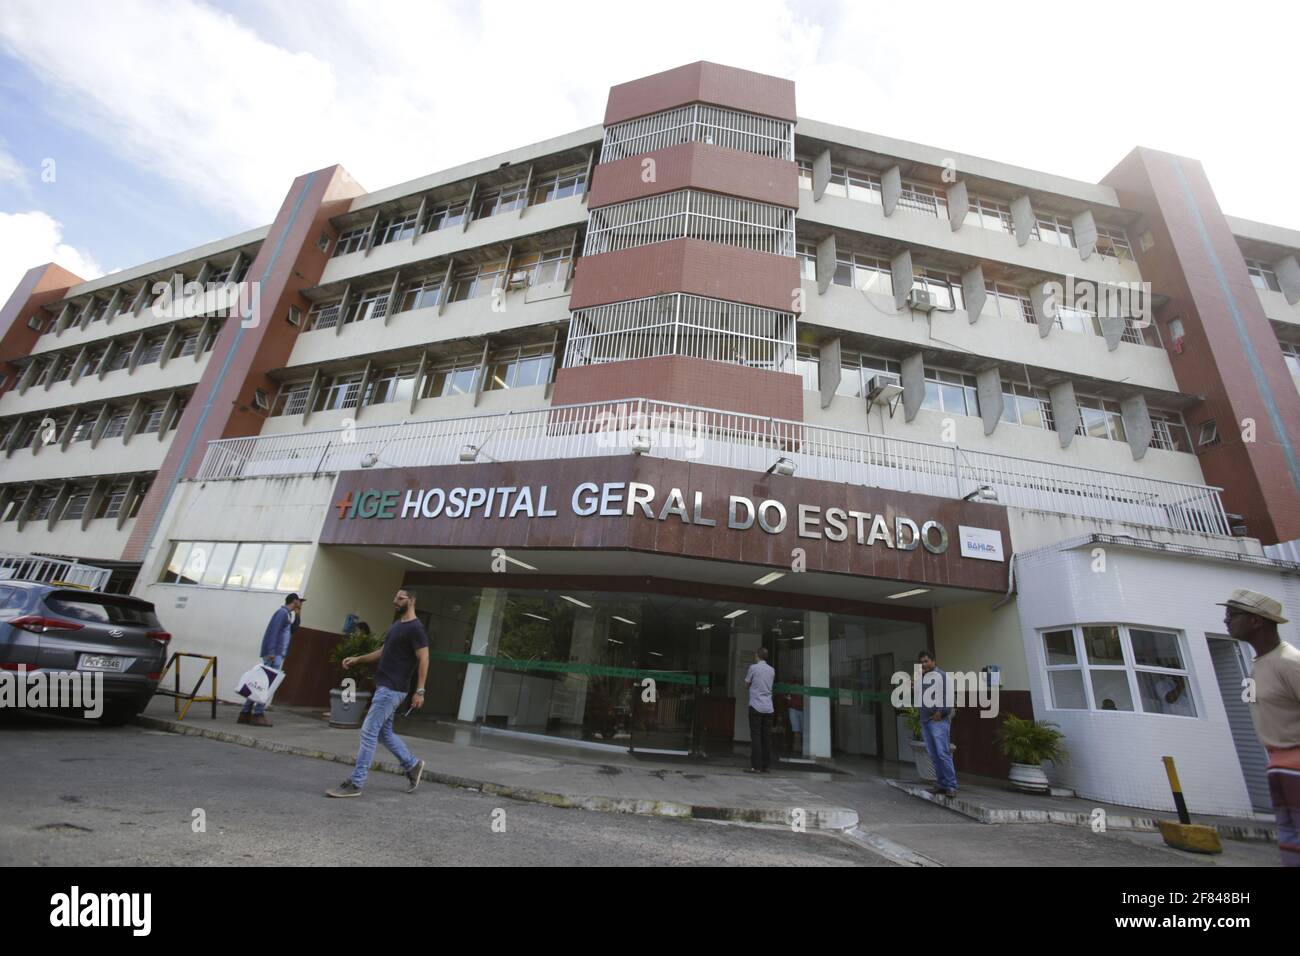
point(1253, 617)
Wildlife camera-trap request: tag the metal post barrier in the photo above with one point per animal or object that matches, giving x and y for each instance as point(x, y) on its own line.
point(192, 696)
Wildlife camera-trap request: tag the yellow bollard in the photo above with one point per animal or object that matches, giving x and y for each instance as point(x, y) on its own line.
point(1186, 835)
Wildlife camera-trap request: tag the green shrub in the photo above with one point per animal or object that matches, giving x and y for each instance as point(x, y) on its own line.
point(1030, 741)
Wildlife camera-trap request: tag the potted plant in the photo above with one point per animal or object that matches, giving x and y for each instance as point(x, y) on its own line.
point(355, 643)
point(920, 755)
point(1027, 743)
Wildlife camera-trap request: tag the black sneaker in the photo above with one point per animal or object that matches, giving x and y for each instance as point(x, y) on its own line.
point(346, 789)
point(413, 776)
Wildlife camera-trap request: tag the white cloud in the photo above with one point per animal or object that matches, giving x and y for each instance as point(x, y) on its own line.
point(232, 108)
point(32, 238)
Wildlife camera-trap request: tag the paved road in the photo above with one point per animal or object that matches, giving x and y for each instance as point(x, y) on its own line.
point(87, 796)
point(76, 794)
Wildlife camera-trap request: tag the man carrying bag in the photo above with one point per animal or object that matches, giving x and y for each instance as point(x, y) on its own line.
point(275, 647)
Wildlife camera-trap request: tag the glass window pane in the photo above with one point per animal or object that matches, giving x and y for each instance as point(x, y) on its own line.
point(1155, 649)
point(222, 554)
point(1060, 647)
point(931, 399)
point(1165, 694)
point(1102, 646)
point(295, 568)
point(197, 563)
point(1111, 691)
point(1031, 412)
point(953, 398)
point(268, 567)
point(241, 569)
point(180, 551)
point(1067, 690)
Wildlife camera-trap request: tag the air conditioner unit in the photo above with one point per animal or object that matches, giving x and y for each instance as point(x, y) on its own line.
point(518, 279)
point(883, 388)
point(920, 300)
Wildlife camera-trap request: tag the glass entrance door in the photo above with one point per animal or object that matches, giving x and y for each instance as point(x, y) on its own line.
point(668, 651)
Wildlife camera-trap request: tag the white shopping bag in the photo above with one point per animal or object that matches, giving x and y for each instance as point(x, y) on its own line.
point(260, 683)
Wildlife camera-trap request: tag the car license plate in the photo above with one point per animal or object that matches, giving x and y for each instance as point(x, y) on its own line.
point(98, 662)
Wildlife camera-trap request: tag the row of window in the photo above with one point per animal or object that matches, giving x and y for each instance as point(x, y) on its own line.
point(983, 212)
point(111, 356)
point(955, 393)
point(488, 203)
point(869, 273)
point(254, 566)
point(82, 420)
point(100, 307)
point(468, 282)
point(515, 367)
point(117, 499)
point(1119, 668)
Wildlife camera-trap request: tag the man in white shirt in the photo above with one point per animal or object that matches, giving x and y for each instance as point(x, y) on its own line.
point(759, 680)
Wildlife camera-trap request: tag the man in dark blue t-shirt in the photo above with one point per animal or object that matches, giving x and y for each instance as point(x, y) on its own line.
point(405, 646)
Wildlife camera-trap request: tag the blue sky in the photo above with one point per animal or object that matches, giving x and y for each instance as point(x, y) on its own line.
point(174, 123)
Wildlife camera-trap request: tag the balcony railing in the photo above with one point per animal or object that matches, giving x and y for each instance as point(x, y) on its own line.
point(699, 124)
point(682, 324)
point(692, 214)
point(34, 567)
point(728, 439)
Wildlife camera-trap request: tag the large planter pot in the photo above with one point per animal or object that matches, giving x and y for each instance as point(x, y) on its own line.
point(924, 765)
point(1029, 778)
point(348, 714)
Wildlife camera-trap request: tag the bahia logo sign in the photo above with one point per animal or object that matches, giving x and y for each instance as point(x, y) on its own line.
point(982, 543)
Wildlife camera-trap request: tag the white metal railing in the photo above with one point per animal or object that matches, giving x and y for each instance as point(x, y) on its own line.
point(682, 324)
point(733, 440)
point(34, 567)
point(689, 213)
point(699, 123)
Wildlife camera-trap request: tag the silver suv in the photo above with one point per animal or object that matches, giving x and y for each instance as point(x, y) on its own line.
point(56, 628)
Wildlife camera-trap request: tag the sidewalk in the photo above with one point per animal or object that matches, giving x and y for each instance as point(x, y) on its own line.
point(848, 798)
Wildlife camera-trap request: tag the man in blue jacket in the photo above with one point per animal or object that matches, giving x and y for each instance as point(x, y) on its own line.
point(275, 646)
point(936, 724)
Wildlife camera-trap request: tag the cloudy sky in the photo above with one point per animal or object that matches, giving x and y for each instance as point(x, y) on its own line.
point(137, 128)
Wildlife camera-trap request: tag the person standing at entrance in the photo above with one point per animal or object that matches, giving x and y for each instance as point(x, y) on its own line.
point(406, 647)
point(759, 680)
point(936, 725)
point(1253, 617)
point(275, 647)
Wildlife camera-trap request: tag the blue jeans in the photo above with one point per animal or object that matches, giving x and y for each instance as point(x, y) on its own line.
point(249, 707)
point(379, 727)
point(936, 734)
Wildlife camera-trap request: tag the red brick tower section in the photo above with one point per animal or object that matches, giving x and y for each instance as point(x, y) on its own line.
point(37, 289)
point(682, 145)
point(292, 258)
point(1230, 354)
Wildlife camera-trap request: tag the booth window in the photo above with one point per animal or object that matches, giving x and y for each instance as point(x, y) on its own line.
point(1118, 667)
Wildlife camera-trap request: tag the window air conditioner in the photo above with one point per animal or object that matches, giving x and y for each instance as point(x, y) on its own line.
point(883, 388)
point(518, 279)
point(920, 300)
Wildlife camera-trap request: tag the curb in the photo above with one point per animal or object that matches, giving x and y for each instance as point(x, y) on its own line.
point(1071, 818)
point(833, 819)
